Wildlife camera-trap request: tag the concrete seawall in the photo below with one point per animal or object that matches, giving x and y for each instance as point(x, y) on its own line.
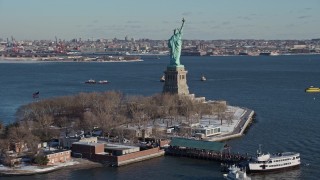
point(110, 160)
point(142, 158)
point(238, 131)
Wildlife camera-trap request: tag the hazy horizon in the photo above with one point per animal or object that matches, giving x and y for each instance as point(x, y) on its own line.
point(142, 19)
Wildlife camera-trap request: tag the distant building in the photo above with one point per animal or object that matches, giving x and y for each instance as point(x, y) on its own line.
point(190, 52)
point(299, 46)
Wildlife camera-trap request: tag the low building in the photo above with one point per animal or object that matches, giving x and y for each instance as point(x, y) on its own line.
point(86, 149)
point(183, 143)
point(135, 131)
point(118, 150)
point(68, 141)
point(18, 147)
point(220, 102)
point(114, 154)
point(59, 156)
point(202, 131)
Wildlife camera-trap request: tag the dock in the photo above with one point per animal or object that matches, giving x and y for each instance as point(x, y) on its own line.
point(208, 150)
point(213, 148)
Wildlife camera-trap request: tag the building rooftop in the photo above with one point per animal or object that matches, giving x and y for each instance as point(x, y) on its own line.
point(196, 144)
point(87, 143)
point(55, 151)
point(119, 146)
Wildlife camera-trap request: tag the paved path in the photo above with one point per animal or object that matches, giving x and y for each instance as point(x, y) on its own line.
point(238, 130)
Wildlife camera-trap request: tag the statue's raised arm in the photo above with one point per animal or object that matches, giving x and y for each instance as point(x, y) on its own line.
point(182, 25)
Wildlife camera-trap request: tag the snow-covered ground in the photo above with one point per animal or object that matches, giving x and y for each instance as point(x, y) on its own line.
point(225, 127)
point(24, 168)
point(212, 120)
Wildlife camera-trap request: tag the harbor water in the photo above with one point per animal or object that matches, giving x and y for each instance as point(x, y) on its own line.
point(273, 86)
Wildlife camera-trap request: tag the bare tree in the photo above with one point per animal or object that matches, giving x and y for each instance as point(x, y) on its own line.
point(187, 108)
point(88, 122)
point(229, 117)
point(43, 124)
point(170, 105)
point(22, 135)
point(220, 110)
point(4, 146)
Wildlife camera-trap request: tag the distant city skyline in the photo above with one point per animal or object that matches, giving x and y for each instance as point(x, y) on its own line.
point(205, 19)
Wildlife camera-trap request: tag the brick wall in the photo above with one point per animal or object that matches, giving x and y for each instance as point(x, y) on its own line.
point(92, 153)
point(59, 157)
point(87, 150)
point(138, 154)
point(103, 158)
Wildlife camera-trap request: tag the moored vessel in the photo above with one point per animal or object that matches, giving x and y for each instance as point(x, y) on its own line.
point(235, 173)
point(312, 89)
point(90, 81)
point(103, 82)
point(163, 79)
point(272, 162)
point(265, 53)
point(203, 78)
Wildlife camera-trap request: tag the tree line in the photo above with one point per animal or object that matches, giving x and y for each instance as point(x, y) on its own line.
point(44, 120)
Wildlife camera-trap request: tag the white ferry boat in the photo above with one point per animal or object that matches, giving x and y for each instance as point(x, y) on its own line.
point(235, 173)
point(267, 162)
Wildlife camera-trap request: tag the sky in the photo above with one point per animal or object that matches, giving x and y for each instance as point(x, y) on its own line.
point(156, 19)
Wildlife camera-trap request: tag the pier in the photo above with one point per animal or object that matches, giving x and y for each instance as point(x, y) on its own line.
point(213, 148)
point(215, 151)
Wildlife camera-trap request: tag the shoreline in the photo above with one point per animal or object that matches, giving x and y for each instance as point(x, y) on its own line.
point(75, 163)
point(35, 60)
point(56, 59)
point(237, 131)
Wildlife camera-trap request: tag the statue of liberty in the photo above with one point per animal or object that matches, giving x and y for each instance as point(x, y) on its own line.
point(175, 45)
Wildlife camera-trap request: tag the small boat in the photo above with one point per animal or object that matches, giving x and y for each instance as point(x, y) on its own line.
point(267, 162)
point(90, 81)
point(163, 79)
point(203, 78)
point(312, 89)
point(235, 173)
point(103, 82)
point(265, 54)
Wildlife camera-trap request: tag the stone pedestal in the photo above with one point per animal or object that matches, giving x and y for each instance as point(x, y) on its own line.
point(176, 80)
